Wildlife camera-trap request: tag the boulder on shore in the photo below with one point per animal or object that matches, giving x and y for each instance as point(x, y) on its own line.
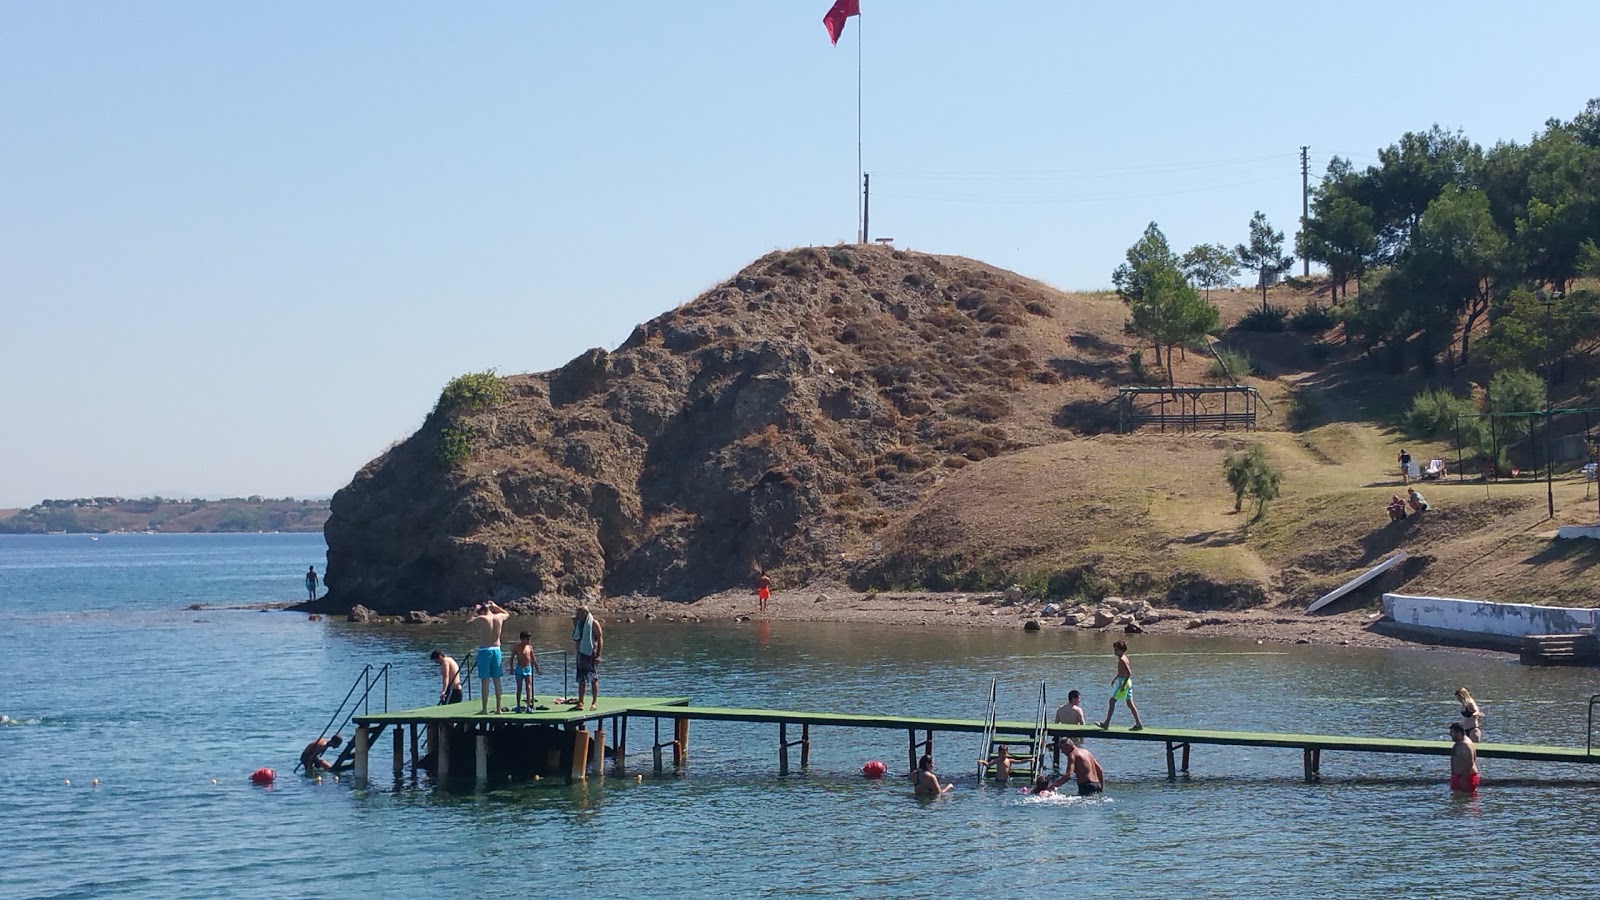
point(359, 613)
point(418, 617)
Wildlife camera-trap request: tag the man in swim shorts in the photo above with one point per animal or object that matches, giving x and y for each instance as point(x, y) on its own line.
point(311, 582)
point(1081, 766)
point(1463, 762)
point(1122, 687)
point(449, 678)
point(311, 757)
point(763, 590)
point(586, 634)
point(488, 618)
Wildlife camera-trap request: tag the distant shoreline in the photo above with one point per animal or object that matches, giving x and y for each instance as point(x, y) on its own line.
point(159, 515)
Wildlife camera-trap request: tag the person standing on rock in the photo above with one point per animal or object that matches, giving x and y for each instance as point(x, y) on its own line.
point(1122, 688)
point(586, 635)
point(311, 582)
point(763, 590)
point(489, 618)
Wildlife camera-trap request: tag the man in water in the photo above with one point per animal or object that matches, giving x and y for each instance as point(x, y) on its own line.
point(1082, 766)
point(311, 582)
point(1463, 762)
point(449, 678)
point(311, 757)
point(1122, 688)
point(488, 618)
point(1070, 713)
point(586, 634)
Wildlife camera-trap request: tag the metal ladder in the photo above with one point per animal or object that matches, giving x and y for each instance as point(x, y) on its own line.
point(352, 703)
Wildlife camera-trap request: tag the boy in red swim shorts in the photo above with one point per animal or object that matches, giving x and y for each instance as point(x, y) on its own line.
point(1463, 762)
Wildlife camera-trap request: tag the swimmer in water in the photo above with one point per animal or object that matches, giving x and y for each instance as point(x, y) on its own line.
point(1082, 766)
point(999, 765)
point(926, 783)
point(1041, 786)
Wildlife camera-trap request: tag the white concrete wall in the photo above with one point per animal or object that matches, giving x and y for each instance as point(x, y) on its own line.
point(1483, 617)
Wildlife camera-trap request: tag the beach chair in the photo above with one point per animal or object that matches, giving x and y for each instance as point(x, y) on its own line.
point(1589, 471)
point(1434, 471)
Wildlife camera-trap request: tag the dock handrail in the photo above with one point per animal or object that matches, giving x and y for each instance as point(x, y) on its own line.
point(988, 729)
point(1040, 722)
point(1588, 737)
point(366, 680)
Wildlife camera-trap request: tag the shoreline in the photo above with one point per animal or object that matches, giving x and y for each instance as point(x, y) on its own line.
point(841, 604)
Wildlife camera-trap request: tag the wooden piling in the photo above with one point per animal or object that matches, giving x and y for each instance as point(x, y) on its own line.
point(805, 746)
point(580, 755)
point(415, 760)
point(783, 748)
point(619, 725)
point(481, 767)
point(399, 753)
point(441, 745)
point(1185, 757)
point(597, 759)
point(359, 752)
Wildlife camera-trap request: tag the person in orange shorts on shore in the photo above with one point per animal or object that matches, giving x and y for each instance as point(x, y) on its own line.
point(1463, 762)
point(763, 590)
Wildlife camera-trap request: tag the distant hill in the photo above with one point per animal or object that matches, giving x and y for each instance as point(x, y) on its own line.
point(101, 515)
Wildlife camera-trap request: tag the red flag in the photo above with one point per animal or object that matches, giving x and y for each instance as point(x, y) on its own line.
point(834, 20)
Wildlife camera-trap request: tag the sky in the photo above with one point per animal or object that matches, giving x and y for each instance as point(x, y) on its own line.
point(244, 245)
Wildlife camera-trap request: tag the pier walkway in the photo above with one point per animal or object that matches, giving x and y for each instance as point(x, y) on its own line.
point(559, 739)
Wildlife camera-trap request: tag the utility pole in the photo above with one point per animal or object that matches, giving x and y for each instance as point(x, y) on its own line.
point(1549, 489)
point(866, 205)
point(1305, 200)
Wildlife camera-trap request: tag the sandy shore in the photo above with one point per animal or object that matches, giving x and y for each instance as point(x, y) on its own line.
point(838, 603)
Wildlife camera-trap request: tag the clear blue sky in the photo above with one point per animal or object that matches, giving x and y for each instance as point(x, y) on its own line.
point(243, 245)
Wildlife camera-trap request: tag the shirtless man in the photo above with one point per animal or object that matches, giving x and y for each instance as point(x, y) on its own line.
point(449, 678)
point(1069, 713)
point(925, 783)
point(586, 635)
point(1122, 688)
point(488, 618)
point(311, 757)
point(1463, 762)
point(1082, 766)
point(525, 663)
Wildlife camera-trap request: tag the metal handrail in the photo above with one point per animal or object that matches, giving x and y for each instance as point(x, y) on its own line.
point(1588, 738)
point(366, 680)
point(988, 729)
point(1039, 726)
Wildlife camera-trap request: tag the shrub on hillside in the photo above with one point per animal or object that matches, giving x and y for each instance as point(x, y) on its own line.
point(1136, 368)
point(1250, 474)
point(471, 392)
point(1238, 364)
point(1273, 318)
point(1315, 317)
point(1435, 413)
point(841, 258)
point(1305, 411)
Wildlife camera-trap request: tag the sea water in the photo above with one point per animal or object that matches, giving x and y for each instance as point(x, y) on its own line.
point(109, 676)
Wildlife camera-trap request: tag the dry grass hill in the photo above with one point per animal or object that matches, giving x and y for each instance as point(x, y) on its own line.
point(899, 419)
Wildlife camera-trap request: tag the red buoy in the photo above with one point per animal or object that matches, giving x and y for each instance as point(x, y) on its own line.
point(874, 769)
point(263, 776)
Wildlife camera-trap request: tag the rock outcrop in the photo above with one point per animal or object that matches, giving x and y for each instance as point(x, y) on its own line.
point(775, 423)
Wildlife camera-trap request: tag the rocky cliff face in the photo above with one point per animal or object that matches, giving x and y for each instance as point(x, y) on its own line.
point(778, 422)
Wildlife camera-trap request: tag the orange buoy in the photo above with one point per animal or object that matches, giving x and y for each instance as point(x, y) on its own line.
point(874, 769)
point(263, 776)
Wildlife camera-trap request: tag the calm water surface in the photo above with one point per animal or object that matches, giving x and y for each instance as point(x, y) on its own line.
point(108, 676)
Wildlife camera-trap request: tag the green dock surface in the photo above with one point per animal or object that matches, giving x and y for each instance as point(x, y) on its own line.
point(468, 711)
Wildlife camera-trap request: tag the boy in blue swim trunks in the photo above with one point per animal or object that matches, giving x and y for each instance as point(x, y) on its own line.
point(488, 618)
point(1122, 688)
point(524, 663)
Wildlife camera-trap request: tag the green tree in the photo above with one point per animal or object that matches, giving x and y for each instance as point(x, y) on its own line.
point(1461, 255)
point(1411, 172)
point(1209, 266)
point(1148, 255)
point(1340, 233)
point(1516, 391)
point(1169, 314)
point(1250, 473)
point(1264, 254)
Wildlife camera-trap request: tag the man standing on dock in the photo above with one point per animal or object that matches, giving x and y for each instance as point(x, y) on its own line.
point(449, 678)
point(1463, 762)
point(489, 618)
point(586, 634)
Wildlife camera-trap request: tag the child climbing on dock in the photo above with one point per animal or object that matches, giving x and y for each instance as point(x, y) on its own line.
point(525, 664)
point(999, 765)
point(1122, 688)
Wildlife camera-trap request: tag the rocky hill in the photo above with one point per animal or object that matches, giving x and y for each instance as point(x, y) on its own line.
point(779, 421)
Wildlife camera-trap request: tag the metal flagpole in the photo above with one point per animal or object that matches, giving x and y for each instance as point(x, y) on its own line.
point(860, 197)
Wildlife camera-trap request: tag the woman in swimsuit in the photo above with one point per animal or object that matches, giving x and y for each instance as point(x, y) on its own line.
point(926, 784)
point(1471, 715)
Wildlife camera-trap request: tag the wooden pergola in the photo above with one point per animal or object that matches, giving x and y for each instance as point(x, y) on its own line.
point(1189, 407)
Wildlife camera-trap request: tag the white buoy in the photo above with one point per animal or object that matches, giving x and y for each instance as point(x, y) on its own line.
point(68, 781)
point(95, 782)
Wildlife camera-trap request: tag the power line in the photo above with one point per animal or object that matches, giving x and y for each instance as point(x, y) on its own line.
point(976, 199)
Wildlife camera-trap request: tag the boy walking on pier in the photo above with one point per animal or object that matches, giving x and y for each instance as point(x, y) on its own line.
point(1122, 688)
point(525, 663)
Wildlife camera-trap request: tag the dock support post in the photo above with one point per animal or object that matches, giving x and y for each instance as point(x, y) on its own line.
point(360, 752)
point(783, 748)
point(619, 726)
point(911, 751)
point(1185, 769)
point(1313, 764)
point(399, 753)
point(580, 754)
point(597, 759)
point(441, 749)
point(656, 751)
point(481, 770)
point(805, 746)
point(680, 744)
point(1172, 765)
point(414, 757)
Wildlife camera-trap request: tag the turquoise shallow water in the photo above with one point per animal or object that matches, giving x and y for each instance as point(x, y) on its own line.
point(108, 676)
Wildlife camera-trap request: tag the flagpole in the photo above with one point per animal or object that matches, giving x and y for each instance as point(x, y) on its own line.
point(861, 236)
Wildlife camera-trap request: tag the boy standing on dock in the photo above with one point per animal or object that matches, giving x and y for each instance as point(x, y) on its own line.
point(1122, 688)
point(525, 663)
point(489, 619)
point(586, 634)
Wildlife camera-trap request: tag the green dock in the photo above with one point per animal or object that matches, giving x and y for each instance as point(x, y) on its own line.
point(565, 741)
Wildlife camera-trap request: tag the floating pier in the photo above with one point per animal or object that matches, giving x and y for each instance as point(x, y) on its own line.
point(560, 741)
